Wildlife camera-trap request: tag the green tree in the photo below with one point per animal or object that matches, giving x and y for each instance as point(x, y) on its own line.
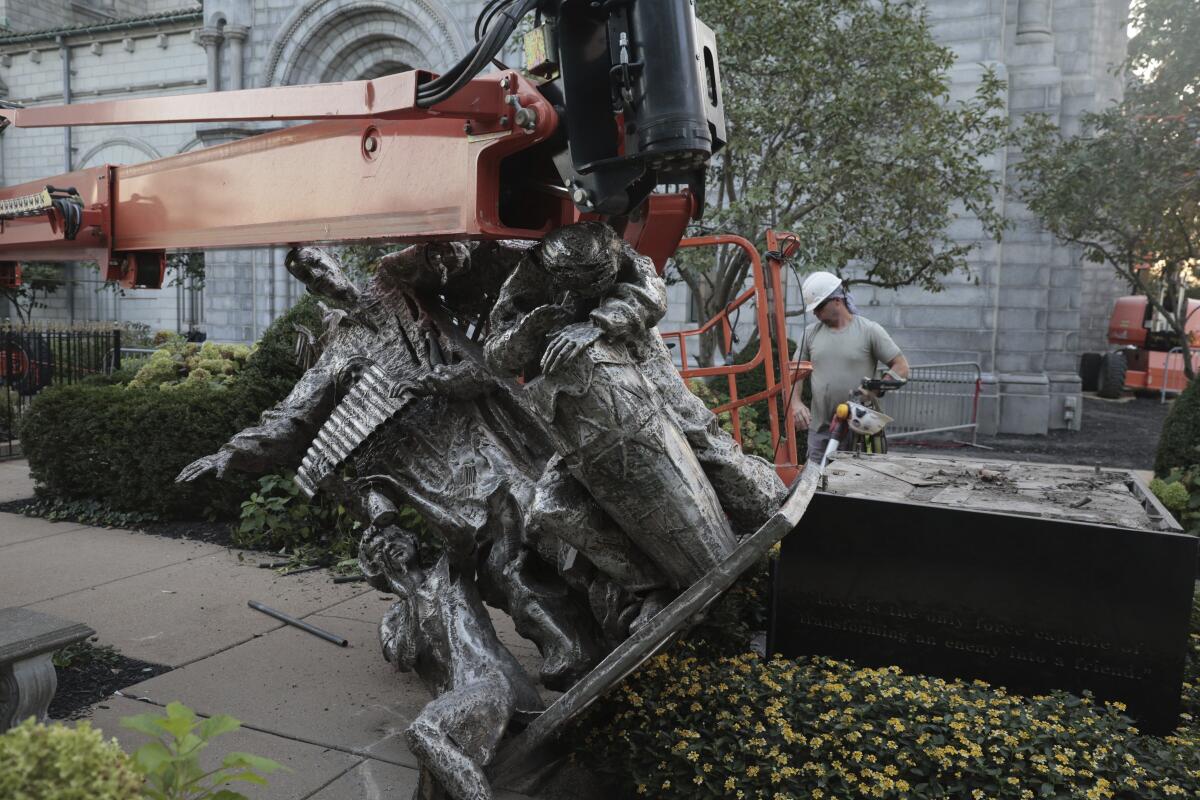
point(1164, 55)
point(38, 281)
point(186, 269)
point(842, 131)
point(1127, 190)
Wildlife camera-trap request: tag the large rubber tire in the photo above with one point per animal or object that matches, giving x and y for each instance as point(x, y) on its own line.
point(1089, 371)
point(1112, 375)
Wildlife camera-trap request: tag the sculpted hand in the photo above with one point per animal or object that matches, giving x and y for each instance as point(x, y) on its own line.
point(439, 381)
point(216, 464)
point(568, 343)
point(545, 318)
point(462, 381)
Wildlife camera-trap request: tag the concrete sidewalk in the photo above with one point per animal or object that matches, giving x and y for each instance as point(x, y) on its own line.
point(332, 715)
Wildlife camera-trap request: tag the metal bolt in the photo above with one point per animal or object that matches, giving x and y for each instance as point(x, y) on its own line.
point(581, 196)
point(504, 121)
point(468, 128)
point(527, 118)
point(371, 145)
point(504, 83)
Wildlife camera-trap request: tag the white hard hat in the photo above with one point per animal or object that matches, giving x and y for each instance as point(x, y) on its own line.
point(866, 421)
point(816, 289)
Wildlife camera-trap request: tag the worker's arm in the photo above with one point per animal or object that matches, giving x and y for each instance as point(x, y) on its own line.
point(898, 366)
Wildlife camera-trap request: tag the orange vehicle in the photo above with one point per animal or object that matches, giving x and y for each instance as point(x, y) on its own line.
point(1146, 354)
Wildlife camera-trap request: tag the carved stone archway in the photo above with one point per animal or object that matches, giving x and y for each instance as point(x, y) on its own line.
point(118, 150)
point(331, 40)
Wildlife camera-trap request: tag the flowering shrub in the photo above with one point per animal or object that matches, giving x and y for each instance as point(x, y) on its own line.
point(1179, 491)
point(180, 363)
point(61, 761)
point(692, 723)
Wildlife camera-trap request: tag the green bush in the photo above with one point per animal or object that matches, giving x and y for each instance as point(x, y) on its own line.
point(1179, 442)
point(171, 760)
point(187, 362)
point(124, 445)
point(279, 516)
point(754, 438)
point(60, 762)
point(1179, 491)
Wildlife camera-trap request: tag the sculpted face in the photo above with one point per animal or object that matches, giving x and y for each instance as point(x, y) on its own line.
point(318, 271)
point(582, 258)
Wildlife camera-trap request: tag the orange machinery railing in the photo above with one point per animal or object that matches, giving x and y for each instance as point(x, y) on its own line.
point(769, 305)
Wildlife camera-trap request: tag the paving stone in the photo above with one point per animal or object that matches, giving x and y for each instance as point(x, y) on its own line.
point(51, 566)
point(15, 528)
point(293, 684)
point(379, 779)
point(309, 767)
point(371, 779)
point(183, 612)
point(15, 483)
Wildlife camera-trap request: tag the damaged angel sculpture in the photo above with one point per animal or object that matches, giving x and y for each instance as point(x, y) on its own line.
point(518, 396)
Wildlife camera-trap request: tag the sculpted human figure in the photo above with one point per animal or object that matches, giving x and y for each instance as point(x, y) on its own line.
point(465, 465)
point(575, 320)
point(575, 500)
point(439, 629)
point(567, 529)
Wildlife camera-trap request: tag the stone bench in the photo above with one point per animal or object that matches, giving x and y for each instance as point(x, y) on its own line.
point(28, 639)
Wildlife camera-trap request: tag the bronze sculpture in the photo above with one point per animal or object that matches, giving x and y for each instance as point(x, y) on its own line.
point(580, 499)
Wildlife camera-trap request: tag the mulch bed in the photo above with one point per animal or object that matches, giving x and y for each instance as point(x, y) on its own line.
point(218, 533)
point(87, 682)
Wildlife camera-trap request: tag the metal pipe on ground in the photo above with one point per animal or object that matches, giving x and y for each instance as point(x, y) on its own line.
point(298, 623)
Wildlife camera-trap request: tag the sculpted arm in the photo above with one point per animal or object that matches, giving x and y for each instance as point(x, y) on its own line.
point(280, 438)
point(520, 321)
point(635, 304)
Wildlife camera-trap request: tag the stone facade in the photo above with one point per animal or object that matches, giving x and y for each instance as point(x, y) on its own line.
point(1025, 311)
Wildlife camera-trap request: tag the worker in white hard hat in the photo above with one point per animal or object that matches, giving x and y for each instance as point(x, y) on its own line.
point(844, 347)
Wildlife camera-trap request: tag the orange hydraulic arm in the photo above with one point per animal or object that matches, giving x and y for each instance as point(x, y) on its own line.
point(375, 168)
point(411, 156)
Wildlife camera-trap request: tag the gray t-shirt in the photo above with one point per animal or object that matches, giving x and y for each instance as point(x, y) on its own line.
point(841, 359)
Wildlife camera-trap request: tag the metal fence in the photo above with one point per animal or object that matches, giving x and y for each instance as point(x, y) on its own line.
point(938, 398)
point(34, 357)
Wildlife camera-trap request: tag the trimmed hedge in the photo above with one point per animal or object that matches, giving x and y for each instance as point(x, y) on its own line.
point(123, 445)
point(1179, 442)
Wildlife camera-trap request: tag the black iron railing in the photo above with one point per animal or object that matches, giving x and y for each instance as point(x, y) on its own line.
point(33, 357)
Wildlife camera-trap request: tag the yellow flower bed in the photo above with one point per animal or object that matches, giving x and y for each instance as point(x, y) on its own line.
point(693, 723)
